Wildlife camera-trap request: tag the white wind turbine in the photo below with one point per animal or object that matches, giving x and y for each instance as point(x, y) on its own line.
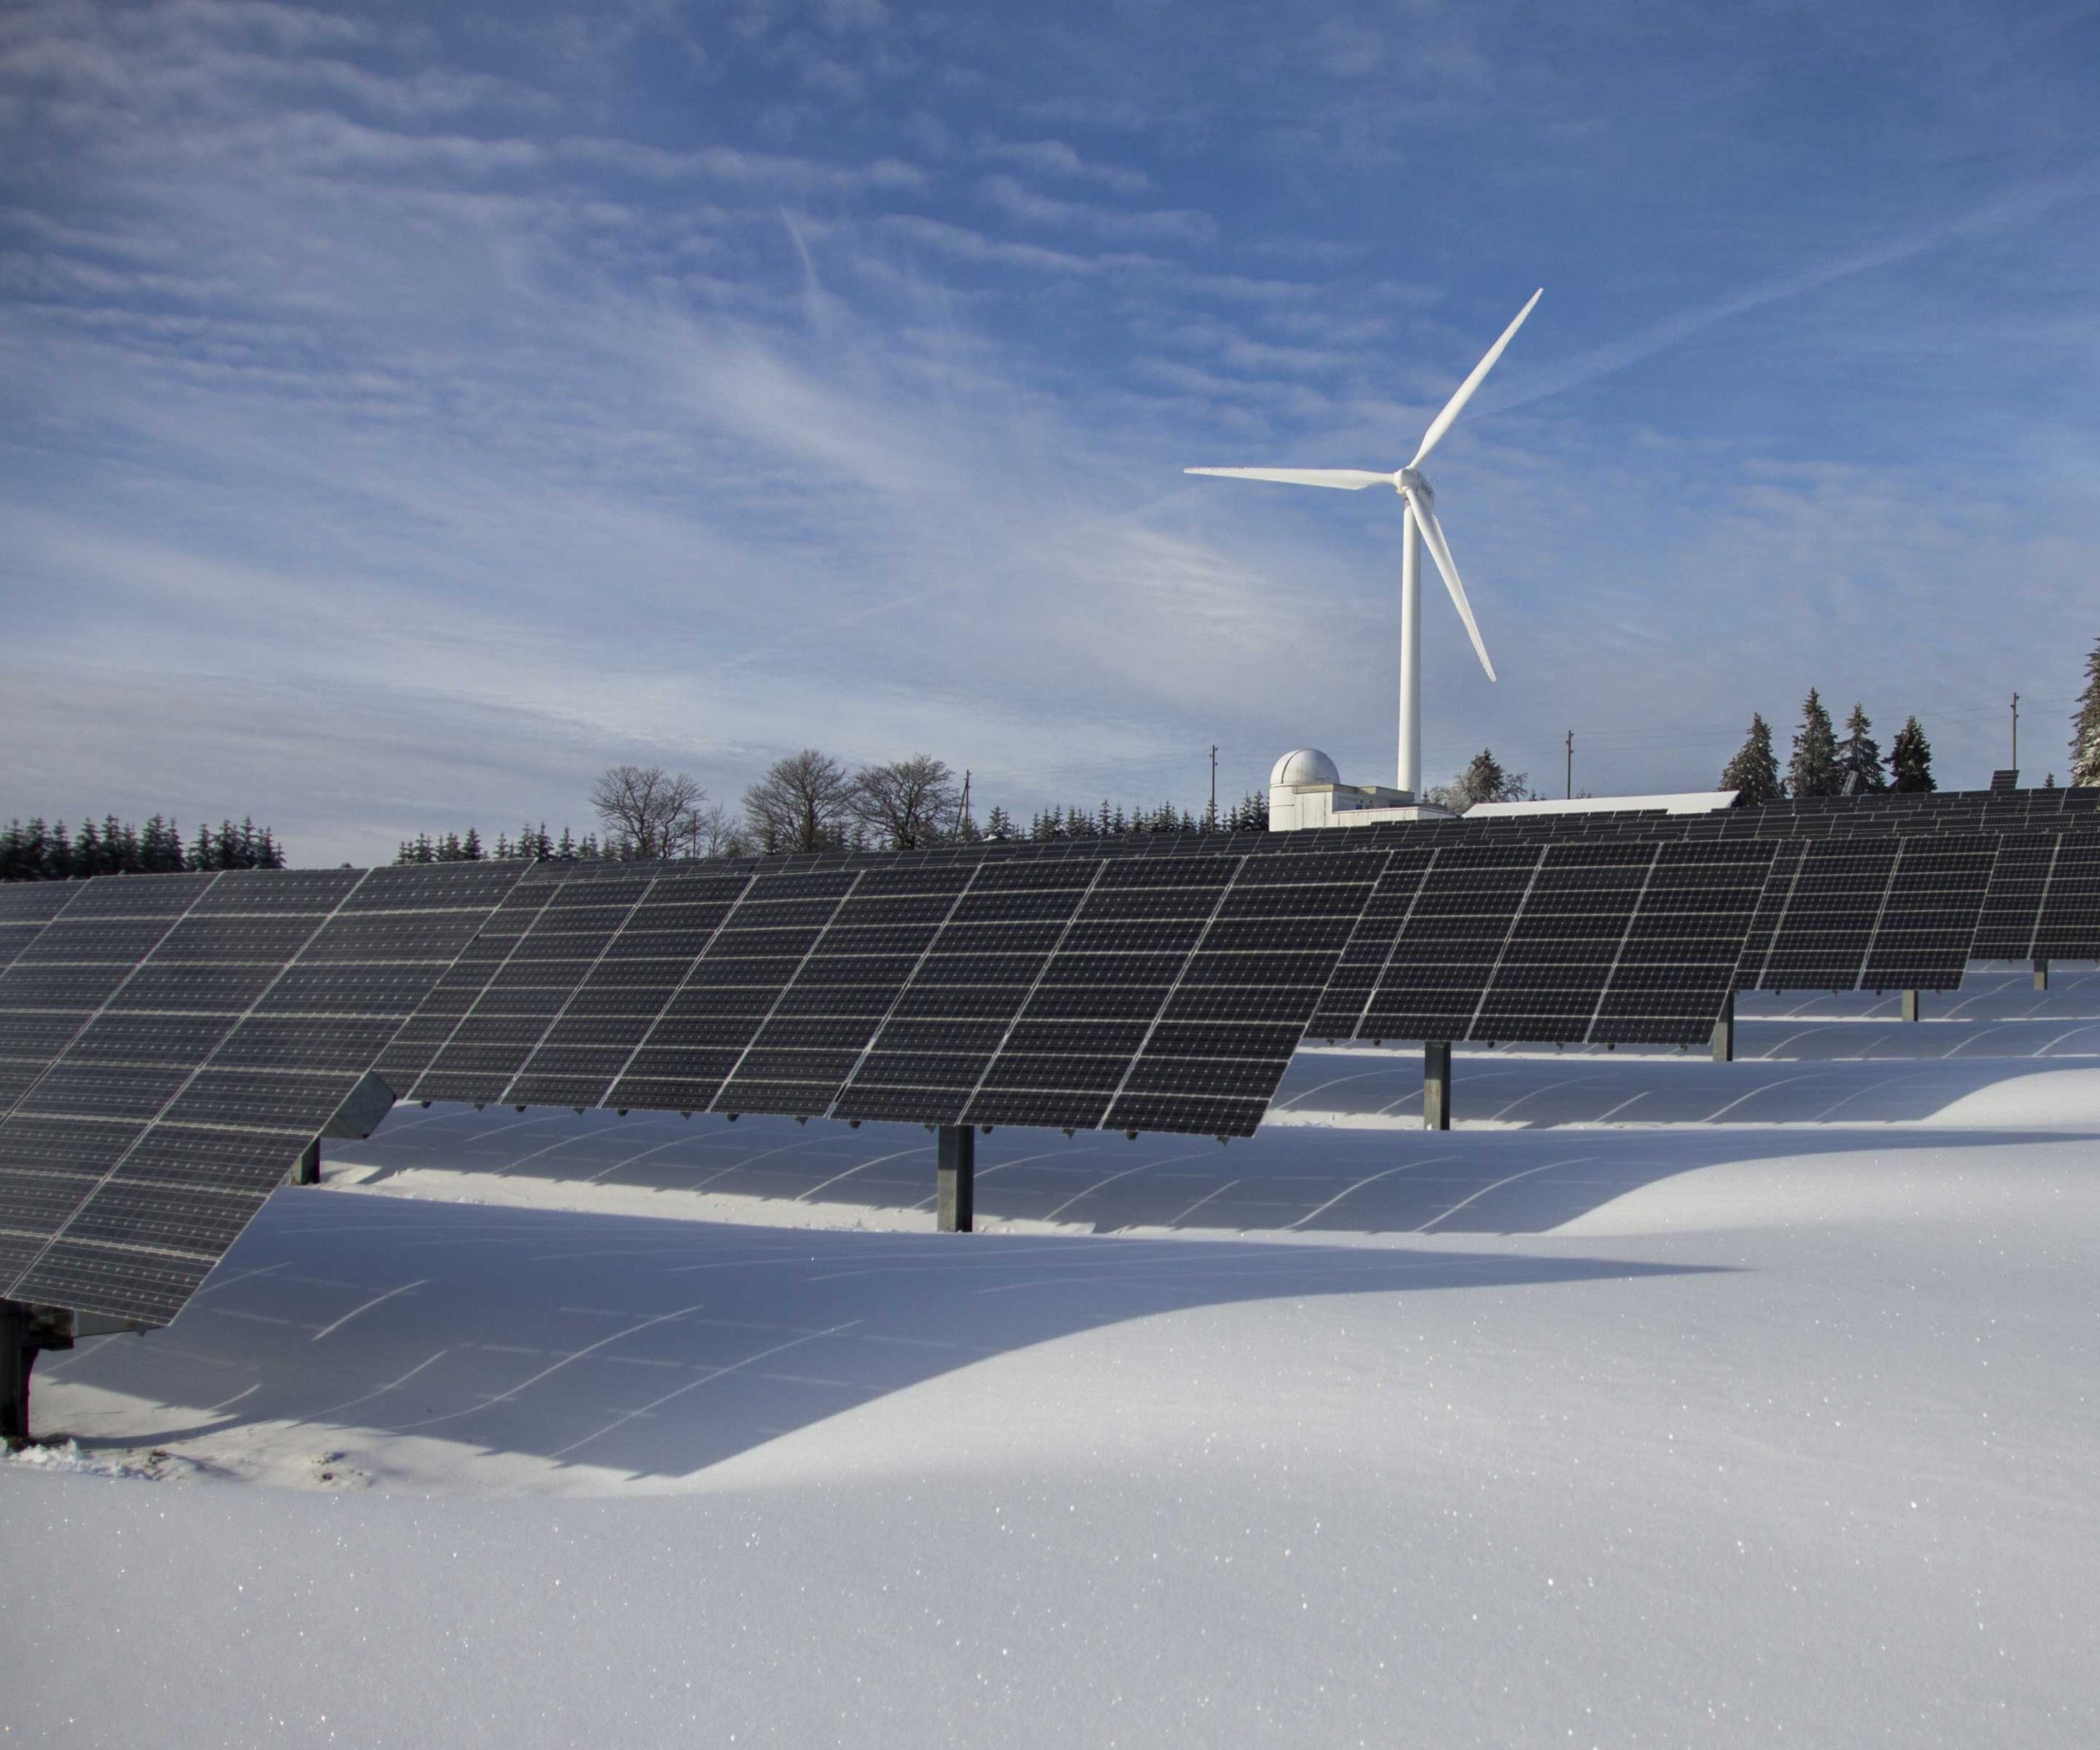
point(1418, 523)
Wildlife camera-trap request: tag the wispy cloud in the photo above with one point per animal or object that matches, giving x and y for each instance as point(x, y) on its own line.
point(1054, 157)
point(1017, 201)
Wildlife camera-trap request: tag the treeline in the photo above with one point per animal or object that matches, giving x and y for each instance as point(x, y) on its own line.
point(1250, 814)
point(1823, 765)
point(467, 847)
point(812, 802)
point(33, 852)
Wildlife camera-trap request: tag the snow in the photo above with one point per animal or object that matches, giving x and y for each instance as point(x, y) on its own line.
point(1683, 1422)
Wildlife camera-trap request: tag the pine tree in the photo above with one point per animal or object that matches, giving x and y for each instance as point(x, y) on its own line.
point(1814, 769)
point(2085, 726)
point(1753, 772)
point(1483, 779)
point(1911, 759)
point(1859, 756)
point(998, 825)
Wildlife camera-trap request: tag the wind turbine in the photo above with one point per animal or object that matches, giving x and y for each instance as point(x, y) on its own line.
point(1418, 523)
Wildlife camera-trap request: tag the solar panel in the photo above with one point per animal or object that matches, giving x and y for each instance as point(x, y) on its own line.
point(931, 1054)
point(87, 952)
point(1555, 943)
point(1853, 914)
point(254, 1005)
point(25, 907)
point(2044, 899)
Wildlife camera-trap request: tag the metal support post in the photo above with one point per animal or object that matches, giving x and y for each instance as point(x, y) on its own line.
point(2041, 975)
point(1436, 1085)
point(957, 1171)
point(1725, 1032)
point(1909, 1005)
point(17, 1355)
point(308, 1170)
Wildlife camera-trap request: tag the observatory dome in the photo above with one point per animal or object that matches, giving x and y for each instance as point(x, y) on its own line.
point(1304, 766)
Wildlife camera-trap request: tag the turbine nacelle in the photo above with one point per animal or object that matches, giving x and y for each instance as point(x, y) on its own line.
point(1407, 481)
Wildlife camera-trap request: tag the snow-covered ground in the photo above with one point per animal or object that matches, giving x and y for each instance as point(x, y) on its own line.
point(1660, 1402)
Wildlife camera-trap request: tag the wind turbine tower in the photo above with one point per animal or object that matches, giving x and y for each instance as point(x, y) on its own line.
point(1418, 526)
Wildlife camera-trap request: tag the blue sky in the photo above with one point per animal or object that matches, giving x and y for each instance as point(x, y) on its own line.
point(405, 414)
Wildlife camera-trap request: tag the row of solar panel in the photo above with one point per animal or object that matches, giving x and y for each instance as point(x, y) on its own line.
point(167, 1045)
point(1884, 815)
point(171, 1043)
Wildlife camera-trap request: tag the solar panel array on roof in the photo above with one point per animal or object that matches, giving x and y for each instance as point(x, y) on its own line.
point(214, 1024)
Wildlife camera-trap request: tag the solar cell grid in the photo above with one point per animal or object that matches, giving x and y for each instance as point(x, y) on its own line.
point(134, 1158)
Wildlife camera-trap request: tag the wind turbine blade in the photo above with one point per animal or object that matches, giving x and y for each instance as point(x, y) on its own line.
point(1440, 550)
point(1341, 479)
point(1442, 422)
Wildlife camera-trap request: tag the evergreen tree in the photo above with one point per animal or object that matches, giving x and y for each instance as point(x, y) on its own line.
point(566, 848)
point(998, 825)
point(2085, 726)
point(1753, 772)
point(1814, 769)
point(1859, 756)
point(1483, 779)
point(25, 850)
point(1911, 759)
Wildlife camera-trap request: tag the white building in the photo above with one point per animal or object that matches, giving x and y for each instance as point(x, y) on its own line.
point(1306, 789)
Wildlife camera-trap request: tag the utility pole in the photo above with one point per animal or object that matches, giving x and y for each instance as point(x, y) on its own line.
point(966, 793)
point(1571, 765)
point(2015, 734)
point(1214, 819)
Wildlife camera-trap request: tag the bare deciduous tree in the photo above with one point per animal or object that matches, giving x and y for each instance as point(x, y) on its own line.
point(715, 833)
point(804, 802)
point(647, 810)
point(911, 802)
